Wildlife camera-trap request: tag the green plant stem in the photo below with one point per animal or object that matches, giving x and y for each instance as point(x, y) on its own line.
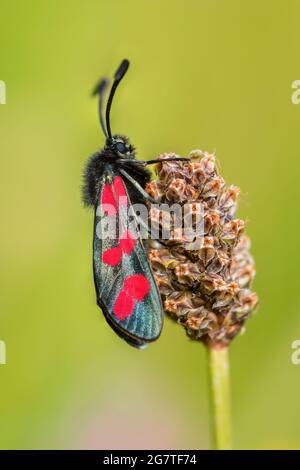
point(220, 397)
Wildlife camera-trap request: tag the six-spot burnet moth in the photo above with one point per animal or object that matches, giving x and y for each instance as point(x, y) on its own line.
point(113, 181)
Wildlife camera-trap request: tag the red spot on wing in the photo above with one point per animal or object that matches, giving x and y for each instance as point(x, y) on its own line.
point(124, 304)
point(127, 242)
point(112, 256)
point(113, 195)
point(108, 201)
point(120, 191)
point(137, 286)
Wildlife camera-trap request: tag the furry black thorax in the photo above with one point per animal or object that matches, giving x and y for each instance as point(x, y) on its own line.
point(109, 159)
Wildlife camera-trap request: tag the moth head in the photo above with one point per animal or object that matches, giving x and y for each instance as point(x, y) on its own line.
point(118, 144)
point(121, 146)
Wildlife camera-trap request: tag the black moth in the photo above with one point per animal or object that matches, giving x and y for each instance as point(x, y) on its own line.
point(114, 180)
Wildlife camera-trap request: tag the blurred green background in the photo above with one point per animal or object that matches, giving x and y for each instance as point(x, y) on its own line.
point(214, 75)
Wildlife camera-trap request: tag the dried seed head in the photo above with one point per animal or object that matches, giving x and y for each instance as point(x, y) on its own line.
point(205, 289)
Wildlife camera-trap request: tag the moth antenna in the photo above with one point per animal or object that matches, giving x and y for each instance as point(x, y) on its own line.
point(122, 69)
point(100, 90)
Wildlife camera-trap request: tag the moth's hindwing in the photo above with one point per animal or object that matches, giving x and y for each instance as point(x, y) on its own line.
point(125, 286)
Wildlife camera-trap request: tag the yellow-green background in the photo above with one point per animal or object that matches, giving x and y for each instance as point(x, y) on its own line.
point(204, 74)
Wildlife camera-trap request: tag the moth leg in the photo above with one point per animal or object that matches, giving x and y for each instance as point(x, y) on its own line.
point(161, 160)
point(156, 160)
point(138, 187)
point(146, 196)
point(141, 222)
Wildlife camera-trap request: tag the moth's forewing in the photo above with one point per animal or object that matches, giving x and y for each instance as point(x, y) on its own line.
point(125, 286)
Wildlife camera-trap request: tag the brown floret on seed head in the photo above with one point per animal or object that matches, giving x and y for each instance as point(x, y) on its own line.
point(206, 289)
